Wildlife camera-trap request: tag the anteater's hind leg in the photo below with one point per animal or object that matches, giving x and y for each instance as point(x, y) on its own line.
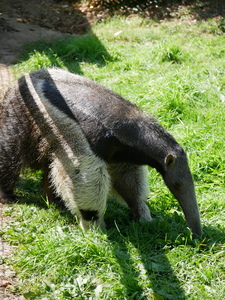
point(130, 182)
point(10, 165)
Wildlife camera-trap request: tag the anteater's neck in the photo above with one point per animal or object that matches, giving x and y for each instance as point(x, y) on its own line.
point(142, 141)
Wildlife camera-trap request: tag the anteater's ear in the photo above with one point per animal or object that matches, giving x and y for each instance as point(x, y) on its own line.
point(170, 161)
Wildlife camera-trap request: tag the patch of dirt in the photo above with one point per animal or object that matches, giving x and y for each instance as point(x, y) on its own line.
point(13, 34)
point(28, 20)
point(56, 15)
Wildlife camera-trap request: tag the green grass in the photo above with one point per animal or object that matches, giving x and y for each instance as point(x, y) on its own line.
point(176, 72)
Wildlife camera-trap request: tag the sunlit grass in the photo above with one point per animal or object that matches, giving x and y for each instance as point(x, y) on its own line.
point(176, 72)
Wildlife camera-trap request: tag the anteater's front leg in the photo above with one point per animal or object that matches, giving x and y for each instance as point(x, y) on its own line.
point(131, 183)
point(83, 184)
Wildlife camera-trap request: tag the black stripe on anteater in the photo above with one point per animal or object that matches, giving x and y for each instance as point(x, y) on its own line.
point(55, 98)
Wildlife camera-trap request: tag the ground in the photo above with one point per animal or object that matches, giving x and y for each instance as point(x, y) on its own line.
point(18, 25)
point(24, 21)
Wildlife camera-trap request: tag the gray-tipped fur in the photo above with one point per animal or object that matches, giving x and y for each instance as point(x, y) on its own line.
point(88, 141)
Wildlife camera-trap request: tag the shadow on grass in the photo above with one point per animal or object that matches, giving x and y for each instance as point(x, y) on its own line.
point(145, 270)
point(152, 242)
point(29, 191)
point(69, 52)
point(213, 237)
point(70, 43)
point(141, 249)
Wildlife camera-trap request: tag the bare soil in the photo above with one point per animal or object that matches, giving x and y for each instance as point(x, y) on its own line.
point(24, 21)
